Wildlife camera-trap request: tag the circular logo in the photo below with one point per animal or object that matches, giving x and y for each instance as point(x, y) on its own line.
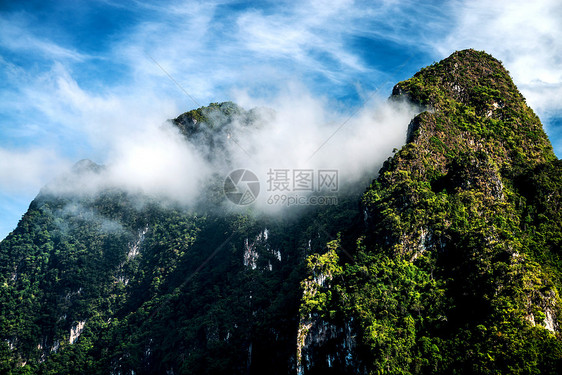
point(241, 187)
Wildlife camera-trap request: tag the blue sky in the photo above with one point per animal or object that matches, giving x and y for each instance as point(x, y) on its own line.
point(74, 75)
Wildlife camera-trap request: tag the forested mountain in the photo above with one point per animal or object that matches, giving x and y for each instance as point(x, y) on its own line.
point(449, 262)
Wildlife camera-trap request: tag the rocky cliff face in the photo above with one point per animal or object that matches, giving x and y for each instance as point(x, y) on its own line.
point(116, 283)
point(455, 262)
point(450, 264)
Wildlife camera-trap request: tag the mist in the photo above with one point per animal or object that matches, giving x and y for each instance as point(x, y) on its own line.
point(310, 133)
point(292, 132)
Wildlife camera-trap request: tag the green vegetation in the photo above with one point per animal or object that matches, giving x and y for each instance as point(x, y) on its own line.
point(459, 268)
point(159, 288)
point(451, 264)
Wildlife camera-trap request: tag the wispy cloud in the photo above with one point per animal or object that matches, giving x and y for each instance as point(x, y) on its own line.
point(24, 170)
point(16, 37)
point(90, 102)
point(525, 35)
point(310, 34)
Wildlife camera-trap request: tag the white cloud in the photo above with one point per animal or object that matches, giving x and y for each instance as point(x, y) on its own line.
point(308, 133)
point(25, 171)
point(151, 157)
point(66, 103)
point(158, 161)
point(302, 34)
point(525, 35)
point(16, 37)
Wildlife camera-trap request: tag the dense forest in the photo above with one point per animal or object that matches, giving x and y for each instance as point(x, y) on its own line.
point(447, 263)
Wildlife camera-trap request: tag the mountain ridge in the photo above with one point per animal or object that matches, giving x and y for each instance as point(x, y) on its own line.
point(449, 262)
point(447, 221)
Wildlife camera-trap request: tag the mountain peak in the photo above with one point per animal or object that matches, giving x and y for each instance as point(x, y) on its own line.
point(458, 77)
point(473, 104)
point(86, 166)
point(455, 267)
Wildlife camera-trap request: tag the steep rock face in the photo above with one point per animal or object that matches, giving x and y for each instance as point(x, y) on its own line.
point(456, 261)
point(457, 145)
point(110, 282)
point(211, 128)
point(455, 268)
